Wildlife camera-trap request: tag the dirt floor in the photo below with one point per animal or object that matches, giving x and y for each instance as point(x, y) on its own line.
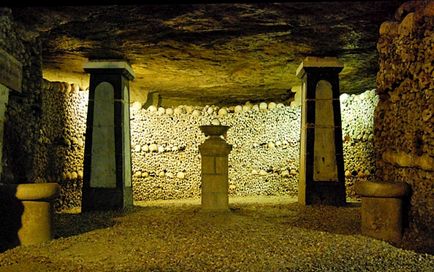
point(258, 234)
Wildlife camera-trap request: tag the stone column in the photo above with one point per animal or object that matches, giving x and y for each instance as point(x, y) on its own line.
point(214, 152)
point(107, 155)
point(322, 178)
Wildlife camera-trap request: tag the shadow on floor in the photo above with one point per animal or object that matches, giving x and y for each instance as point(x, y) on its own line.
point(74, 223)
point(418, 242)
point(11, 211)
point(338, 220)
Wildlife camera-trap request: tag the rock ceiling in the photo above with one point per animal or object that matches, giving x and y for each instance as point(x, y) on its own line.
point(211, 53)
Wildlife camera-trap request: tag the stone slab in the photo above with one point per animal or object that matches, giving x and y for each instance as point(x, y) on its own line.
point(103, 164)
point(109, 64)
point(11, 71)
point(382, 189)
point(318, 62)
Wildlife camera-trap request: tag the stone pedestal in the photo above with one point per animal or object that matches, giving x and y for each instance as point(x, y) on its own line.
point(214, 152)
point(322, 179)
point(31, 212)
point(107, 155)
point(383, 210)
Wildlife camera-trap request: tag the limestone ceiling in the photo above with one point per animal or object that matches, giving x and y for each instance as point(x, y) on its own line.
point(211, 53)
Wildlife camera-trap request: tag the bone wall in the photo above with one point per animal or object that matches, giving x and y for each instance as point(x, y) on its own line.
point(62, 136)
point(263, 159)
point(23, 110)
point(358, 137)
point(404, 130)
point(165, 154)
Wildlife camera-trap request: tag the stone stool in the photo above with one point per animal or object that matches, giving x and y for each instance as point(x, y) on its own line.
point(382, 209)
point(34, 202)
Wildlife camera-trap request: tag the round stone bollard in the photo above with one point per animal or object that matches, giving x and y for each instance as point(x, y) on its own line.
point(382, 209)
point(33, 204)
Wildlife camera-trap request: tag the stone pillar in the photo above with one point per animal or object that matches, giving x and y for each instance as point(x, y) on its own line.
point(322, 178)
point(107, 155)
point(214, 152)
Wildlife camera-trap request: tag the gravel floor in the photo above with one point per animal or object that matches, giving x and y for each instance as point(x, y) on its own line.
point(259, 234)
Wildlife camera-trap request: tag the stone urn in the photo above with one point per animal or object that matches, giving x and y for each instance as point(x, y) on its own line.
point(214, 177)
point(30, 211)
point(214, 131)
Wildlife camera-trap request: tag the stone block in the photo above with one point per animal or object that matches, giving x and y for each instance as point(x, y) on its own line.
point(37, 223)
point(208, 165)
point(221, 165)
point(382, 218)
point(383, 209)
point(215, 201)
point(214, 183)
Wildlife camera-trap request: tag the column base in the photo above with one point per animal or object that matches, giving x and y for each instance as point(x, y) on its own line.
point(105, 199)
point(215, 201)
point(326, 193)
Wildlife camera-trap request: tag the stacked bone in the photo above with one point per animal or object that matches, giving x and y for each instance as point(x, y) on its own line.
point(61, 140)
point(165, 155)
point(264, 158)
point(21, 125)
point(404, 130)
point(358, 134)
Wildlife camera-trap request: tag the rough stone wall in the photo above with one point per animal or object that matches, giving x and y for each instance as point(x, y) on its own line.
point(23, 112)
point(404, 130)
point(165, 154)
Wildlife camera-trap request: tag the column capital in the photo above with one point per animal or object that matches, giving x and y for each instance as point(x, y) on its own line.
point(318, 62)
point(215, 146)
point(97, 66)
